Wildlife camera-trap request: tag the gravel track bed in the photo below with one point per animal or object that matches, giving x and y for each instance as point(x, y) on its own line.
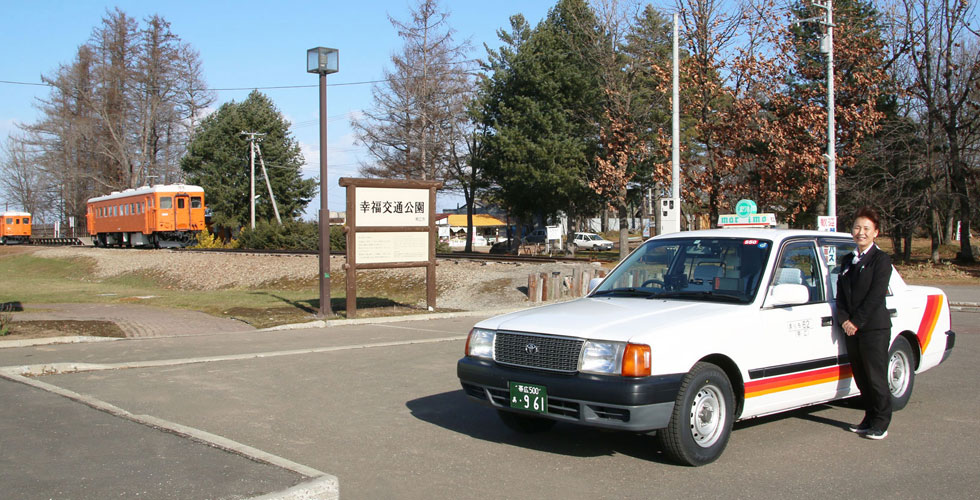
point(463, 285)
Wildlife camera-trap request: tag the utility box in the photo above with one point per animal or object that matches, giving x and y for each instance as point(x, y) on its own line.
point(669, 216)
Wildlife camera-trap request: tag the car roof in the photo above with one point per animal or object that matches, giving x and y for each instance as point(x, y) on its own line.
point(776, 235)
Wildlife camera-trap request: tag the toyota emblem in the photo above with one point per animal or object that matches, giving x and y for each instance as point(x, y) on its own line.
point(531, 348)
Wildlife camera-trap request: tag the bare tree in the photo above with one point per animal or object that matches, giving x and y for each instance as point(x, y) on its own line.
point(418, 108)
point(120, 114)
point(943, 55)
point(24, 183)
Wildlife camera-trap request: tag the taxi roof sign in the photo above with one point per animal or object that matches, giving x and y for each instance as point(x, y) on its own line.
point(751, 220)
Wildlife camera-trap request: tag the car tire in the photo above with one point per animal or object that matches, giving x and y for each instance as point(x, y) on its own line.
point(701, 421)
point(525, 424)
point(901, 373)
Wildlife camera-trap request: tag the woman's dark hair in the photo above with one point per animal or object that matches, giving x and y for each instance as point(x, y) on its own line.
point(868, 213)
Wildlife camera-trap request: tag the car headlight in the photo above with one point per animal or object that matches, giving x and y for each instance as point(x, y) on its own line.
point(616, 358)
point(479, 343)
point(602, 357)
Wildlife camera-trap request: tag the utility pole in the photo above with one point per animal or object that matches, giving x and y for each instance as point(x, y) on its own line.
point(268, 184)
point(251, 186)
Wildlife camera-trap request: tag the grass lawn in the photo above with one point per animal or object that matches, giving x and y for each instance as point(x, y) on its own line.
point(26, 279)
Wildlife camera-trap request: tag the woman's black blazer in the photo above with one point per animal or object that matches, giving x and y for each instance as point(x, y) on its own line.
point(861, 290)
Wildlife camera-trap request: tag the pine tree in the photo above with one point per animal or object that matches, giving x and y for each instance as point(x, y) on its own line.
point(539, 104)
point(218, 160)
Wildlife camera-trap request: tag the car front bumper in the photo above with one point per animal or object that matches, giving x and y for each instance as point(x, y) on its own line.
point(624, 403)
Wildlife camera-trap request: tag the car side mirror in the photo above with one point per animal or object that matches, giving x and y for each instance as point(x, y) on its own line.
point(788, 294)
point(594, 282)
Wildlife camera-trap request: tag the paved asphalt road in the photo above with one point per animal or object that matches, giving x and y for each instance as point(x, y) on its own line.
point(379, 407)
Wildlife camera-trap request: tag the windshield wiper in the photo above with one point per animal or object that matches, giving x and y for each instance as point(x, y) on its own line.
point(724, 297)
point(627, 290)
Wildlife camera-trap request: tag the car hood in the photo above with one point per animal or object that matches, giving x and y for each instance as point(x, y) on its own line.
point(612, 318)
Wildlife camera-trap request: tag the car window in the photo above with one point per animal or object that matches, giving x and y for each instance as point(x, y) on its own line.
point(833, 252)
point(798, 265)
point(716, 269)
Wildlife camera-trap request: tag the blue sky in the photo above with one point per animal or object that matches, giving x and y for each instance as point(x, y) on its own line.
point(249, 44)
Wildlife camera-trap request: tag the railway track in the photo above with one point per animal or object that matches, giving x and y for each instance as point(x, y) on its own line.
point(448, 256)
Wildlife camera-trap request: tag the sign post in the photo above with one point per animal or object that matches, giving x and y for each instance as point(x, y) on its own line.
point(390, 224)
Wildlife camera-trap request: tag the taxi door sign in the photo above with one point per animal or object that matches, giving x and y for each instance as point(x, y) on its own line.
point(827, 223)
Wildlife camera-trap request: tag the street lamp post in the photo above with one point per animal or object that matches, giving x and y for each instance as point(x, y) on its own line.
point(827, 47)
point(323, 61)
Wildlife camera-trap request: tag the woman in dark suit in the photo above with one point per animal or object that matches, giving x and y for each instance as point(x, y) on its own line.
point(862, 314)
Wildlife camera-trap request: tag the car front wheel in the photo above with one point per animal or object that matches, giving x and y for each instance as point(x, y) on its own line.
point(901, 373)
point(701, 422)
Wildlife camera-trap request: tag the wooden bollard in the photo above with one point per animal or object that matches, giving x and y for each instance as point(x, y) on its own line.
point(575, 290)
point(544, 287)
point(532, 288)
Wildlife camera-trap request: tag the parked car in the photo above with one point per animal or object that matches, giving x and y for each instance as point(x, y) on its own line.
point(692, 332)
point(536, 236)
point(591, 241)
point(502, 247)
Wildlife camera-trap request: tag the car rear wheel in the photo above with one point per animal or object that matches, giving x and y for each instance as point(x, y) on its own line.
point(701, 422)
point(525, 423)
point(901, 373)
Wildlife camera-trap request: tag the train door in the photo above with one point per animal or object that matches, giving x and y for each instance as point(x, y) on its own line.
point(182, 211)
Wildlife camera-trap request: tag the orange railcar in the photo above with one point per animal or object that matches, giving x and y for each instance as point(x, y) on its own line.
point(15, 227)
point(156, 216)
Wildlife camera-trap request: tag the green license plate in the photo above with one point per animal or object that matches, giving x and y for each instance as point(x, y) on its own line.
point(528, 397)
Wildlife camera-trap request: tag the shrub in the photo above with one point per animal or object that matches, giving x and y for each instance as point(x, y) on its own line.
point(338, 240)
point(291, 235)
point(207, 240)
point(5, 319)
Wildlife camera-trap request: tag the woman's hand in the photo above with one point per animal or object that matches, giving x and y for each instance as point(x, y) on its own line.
point(849, 328)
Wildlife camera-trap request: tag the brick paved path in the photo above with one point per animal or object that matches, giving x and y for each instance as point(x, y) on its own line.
point(135, 320)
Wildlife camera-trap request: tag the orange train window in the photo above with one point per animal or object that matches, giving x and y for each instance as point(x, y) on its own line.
point(196, 202)
point(166, 202)
point(180, 203)
point(9, 220)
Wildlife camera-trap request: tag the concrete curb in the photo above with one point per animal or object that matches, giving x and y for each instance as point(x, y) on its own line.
point(392, 319)
point(77, 339)
point(321, 488)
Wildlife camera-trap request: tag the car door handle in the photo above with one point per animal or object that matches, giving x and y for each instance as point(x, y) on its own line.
point(827, 321)
point(893, 312)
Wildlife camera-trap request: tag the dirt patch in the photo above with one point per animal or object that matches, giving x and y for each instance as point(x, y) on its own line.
point(947, 273)
point(62, 328)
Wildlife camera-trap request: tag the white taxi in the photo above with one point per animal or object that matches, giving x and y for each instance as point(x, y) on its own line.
point(692, 332)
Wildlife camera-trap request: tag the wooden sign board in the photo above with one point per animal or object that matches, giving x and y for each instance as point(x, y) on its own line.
point(390, 223)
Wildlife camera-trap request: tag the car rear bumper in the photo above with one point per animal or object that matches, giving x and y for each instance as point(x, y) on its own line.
point(950, 341)
point(624, 403)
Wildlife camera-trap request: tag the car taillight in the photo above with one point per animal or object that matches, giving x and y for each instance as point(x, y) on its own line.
point(636, 360)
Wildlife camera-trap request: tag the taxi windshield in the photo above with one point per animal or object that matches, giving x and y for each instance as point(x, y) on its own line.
point(706, 269)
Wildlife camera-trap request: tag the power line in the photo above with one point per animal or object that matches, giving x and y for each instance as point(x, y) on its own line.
point(272, 87)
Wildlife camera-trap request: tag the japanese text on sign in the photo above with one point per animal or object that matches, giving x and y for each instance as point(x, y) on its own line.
point(392, 207)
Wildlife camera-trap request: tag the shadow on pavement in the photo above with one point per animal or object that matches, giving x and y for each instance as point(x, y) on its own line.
point(454, 412)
